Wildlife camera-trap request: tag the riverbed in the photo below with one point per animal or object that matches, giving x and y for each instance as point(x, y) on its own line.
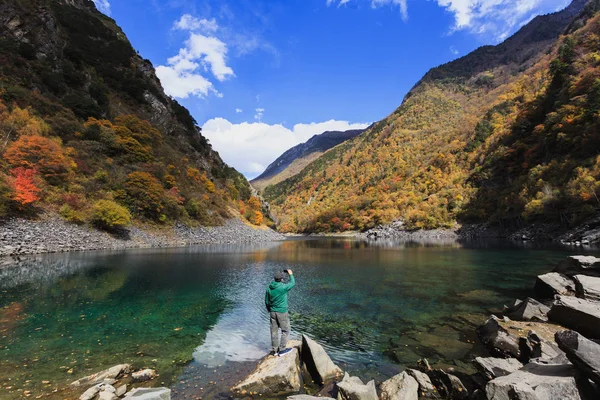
point(196, 314)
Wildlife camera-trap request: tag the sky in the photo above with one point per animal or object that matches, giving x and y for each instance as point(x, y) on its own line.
point(260, 76)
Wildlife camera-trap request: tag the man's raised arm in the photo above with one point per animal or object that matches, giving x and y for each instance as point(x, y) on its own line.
point(292, 282)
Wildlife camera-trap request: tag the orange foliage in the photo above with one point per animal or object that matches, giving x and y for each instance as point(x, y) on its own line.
point(25, 189)
point(41, 153)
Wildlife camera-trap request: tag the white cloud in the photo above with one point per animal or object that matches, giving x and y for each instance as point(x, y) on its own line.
point(183, 83)
point(251, 146)
point(259, 114)
point(454, 50)
point(378, 3)
point(103, 6)
point(238, 110)
point(189, 23)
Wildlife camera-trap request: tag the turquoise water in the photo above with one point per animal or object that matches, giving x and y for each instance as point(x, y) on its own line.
point(193, 312)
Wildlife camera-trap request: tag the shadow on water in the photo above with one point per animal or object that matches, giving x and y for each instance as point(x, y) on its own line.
point(197, 314)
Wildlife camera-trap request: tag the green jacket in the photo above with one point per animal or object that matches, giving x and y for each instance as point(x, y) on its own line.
point(276, 298)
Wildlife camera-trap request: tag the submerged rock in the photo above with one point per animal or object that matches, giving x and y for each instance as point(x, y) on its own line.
point(583, 353)
point(553, 283)
point(352, 388)
point(528, 310)
point(318, 362)
point(274, 376)
point(400, 387)
point(98, 377)
point(144, 375)
point(587, 287)
point(578, 314)
point(162, 393)
point(493, 368)
point(536, 382)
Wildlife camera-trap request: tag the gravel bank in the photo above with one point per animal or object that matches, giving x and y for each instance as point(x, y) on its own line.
point(52, 235)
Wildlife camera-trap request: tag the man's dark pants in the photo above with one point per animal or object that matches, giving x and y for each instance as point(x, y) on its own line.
point(279, 321)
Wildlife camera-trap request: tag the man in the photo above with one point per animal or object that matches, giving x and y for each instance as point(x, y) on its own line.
point(276, 300)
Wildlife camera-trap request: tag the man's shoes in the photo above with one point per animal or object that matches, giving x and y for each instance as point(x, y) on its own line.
point(284, 352)
point(273, 353)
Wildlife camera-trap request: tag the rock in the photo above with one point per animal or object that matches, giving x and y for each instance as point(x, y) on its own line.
point(317, 361)
point(535, 382)
point(553, 283)
point(144, 375)
point(107, 396)
point(448, 385)
point(307, 397)
point(498, 340)
point(587, 287)
point(579, 265)
point(162, 393)
point(111, 373)
point(578, 314)
point(91, 393)
point(108, 388)
point(534, 347)
point(274, 376)
point(400, 387)
point(121, 390)
point(426, 388)
point(352, 388)
point(583, 353)
point(492, 367)
point(528, 310)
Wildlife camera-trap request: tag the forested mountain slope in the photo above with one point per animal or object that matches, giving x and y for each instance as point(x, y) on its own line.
point(506, 132)
point(87, 130)
point(295, 159)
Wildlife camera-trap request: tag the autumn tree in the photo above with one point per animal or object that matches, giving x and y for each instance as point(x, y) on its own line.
point(40, 153)
point(144, 194)
point(25, 188)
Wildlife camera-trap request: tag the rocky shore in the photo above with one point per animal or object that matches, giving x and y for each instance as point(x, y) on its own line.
point(52, 235)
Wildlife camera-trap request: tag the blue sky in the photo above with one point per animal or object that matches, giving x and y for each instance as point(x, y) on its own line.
point(261, 76)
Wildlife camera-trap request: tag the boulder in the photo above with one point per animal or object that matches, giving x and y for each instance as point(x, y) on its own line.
point(121, 390)
point(318, 363)
point(536, 382)
point(400, 387)
point(528, 310)
point(583, 353)
point(498, 340)
point(553, 283)
point(534, 347)
point(426, 388)
point(144, 375)
point(578, 314)
point(98, 377)
point(352, 388)
point(274, 376)
point(448, 385)
point(107, 396)
point(587, 287)
point(492, 367)
point(91, 393)
point(579, 265)
point(307, 397)
point(162, 393)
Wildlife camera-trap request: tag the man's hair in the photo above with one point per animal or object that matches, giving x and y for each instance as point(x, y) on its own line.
point(278, 276)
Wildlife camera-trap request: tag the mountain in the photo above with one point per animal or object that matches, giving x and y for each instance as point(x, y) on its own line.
point(86, 127)
point(295, 159)
point(507, 134)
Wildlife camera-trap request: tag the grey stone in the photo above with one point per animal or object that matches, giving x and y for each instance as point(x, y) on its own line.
point(448, 385)
point(553, 283)
point(110, 373)
point(426, 388)
point(352, 388)
point(578, 314)
point(162, 393)
point(144, 375)
point(576, 265)
point(91, 393)
point(400, 387)
point(492, 367)
point(107, 396)
point(587, 287)
point(274, 376)
point(498, 340)
point(121, 390)
point(583, 353)
point(528, 310)
point(536, 382)
point(307, 397)
point(318, 362)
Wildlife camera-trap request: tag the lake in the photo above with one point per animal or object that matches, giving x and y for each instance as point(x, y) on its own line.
point(197, 314)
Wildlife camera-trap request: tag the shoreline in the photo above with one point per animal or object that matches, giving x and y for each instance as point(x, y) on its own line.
point(20, 236)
